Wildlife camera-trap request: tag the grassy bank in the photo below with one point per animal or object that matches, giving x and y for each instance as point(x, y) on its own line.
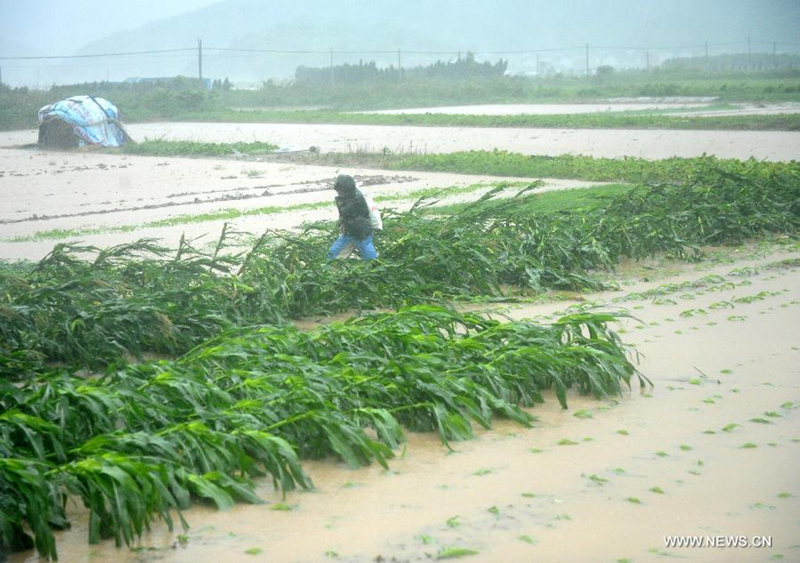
point(142, 102)
point(604, 120)
point(493, 163)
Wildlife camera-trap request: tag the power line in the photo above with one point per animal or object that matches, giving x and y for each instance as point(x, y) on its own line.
point(394, 51)
point(44, 57)
point(281, 52)
point(32, 67)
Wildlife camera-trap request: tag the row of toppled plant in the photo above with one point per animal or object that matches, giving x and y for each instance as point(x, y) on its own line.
point(576, 166)
point(139, 298)
point(143, 441)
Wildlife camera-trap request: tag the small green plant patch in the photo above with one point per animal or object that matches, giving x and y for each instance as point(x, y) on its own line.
point(567, 442)
point(597, 479)
point(454, 522)
point(760, 420)
point(454, 552)
point(194, 148)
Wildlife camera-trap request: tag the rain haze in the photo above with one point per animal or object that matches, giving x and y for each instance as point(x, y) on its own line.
point(372, 280)
point(249, 42)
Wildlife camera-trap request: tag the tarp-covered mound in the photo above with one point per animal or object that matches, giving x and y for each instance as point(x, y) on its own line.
point(80, 121)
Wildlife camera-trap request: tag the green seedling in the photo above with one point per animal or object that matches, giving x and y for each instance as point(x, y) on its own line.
point(455, 552)
point(454, 522)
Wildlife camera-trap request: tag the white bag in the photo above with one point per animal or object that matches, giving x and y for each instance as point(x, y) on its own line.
point(374, 214)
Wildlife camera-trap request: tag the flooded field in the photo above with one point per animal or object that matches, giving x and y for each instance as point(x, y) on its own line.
point(710, 451)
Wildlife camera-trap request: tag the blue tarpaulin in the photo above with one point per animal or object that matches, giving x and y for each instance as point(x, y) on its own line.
point(95, 121)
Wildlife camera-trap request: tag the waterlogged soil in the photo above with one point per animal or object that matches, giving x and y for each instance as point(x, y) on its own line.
point(674, 106)
point(710, 451)
point(110, 199)
point(610, 143)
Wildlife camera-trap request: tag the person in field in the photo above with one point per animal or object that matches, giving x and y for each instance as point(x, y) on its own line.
point(355, 226)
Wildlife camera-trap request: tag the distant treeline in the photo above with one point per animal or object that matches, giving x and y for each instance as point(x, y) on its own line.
point(462, 68)
point(756, 62)
point(461, 82)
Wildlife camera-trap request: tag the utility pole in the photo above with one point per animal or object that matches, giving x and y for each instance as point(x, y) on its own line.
point(587, 59)
point(774, 55)
point(331, 65)
point(749, 55)
point(200, 61)
point(399, 65)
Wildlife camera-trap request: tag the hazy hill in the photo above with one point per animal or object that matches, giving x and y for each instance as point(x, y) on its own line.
point(621, 33)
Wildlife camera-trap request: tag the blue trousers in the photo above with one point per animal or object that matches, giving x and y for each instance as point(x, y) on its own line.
point(364, 246)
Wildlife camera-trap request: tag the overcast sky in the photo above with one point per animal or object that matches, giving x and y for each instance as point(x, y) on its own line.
point(35, 34)
point(58, 27)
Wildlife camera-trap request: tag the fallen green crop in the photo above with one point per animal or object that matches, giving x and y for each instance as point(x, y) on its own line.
point(140, 298)
point(143, 441)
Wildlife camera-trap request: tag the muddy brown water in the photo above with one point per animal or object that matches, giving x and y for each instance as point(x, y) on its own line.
point(610, 143)
point(710, 451)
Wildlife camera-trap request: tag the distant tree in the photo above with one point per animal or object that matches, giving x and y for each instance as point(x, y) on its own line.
point(604, 70)
point(223, 85)
point(462, 68)
point(732, 63)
